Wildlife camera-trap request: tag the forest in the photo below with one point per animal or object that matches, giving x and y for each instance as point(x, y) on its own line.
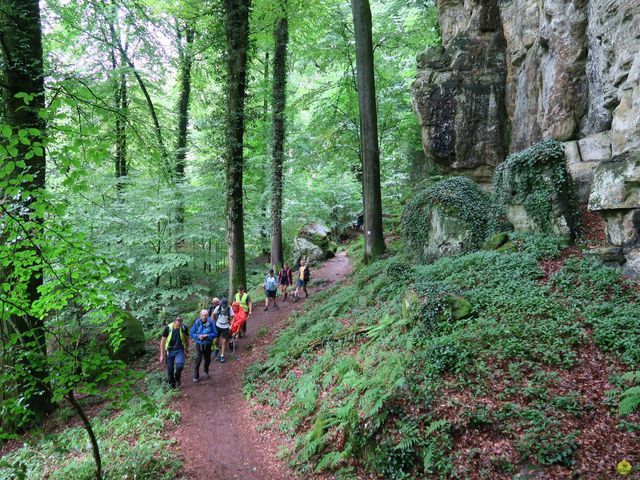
point(473, 305)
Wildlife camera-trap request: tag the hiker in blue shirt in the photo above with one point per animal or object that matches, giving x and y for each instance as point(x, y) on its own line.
point(271, 290)
point(203, 332)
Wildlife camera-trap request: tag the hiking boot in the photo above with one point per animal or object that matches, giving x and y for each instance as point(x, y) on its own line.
point(222, 359)
point(206, 375)
point(195, 380)
point(266, 309)
point(178, 383)
point(172, 385)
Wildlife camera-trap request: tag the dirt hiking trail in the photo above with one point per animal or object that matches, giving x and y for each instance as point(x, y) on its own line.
point(217, 435)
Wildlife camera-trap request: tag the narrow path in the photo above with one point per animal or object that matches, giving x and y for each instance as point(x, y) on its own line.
point(217, 435)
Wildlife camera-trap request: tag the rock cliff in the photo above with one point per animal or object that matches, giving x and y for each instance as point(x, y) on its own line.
point(510, 73)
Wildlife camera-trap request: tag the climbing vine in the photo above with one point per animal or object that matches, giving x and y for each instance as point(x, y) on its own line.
point(537, 179)
point(458, 197)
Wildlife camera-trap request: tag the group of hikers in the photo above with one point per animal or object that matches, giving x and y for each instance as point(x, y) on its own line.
point(221, 323)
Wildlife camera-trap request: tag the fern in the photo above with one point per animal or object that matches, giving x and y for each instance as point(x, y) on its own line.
point(410, 436)
point(630, 400)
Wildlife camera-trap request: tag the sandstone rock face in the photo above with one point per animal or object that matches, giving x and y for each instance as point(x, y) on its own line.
point(510, 73)
point(561, 69)
point(616, 195)
point(459, 94)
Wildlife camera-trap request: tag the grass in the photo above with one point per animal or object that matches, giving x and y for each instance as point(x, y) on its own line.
point(383, 373)
point(131, 443)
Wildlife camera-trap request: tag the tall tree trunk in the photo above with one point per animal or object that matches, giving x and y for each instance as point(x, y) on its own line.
point(122, 168)
point(121, 103)
point(372, 197)
point(237, 30)
point(22, 72)
point(279, 103)
point(186, 61)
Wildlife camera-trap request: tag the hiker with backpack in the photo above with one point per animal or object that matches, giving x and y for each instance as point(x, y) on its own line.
point(304, 275)
point(223, 314)
point(271, 290)
point(174, 349)
point(204, 333)
point(285, 278)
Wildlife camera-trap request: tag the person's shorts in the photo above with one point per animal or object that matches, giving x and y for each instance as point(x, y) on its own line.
point(271, 293)
point(302, 283)
point(223, 332)
point(284, 284)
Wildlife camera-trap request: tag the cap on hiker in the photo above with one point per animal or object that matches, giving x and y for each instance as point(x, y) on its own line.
point(223, 302)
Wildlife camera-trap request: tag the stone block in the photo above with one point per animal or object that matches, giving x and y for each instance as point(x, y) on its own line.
point(595, 148)
point(616, 183)
point(572, 152)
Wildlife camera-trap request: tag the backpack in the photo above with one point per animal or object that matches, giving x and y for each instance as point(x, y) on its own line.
point(307, 273)
point(224, 312)
point(271, 283)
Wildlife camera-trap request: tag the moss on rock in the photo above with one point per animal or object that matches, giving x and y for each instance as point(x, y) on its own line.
point(496, 241)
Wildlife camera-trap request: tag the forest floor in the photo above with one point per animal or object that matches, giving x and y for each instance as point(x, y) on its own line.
point(218, 436)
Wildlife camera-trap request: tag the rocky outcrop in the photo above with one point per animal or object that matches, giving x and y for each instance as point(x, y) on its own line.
point(558, 69)
point(510, 73)
point(459, 94)
point(616, 195)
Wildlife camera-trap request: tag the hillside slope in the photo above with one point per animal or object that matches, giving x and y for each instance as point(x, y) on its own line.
point(485, 365)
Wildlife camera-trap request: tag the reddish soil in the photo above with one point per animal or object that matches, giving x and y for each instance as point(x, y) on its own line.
point(217, 434)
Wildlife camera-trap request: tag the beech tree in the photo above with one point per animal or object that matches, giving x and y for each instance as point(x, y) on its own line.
point(279, 97)
point(23, 85)
point(237, 35)
point(372, 197)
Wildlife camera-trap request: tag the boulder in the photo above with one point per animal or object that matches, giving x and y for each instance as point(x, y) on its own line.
point(449, 217)
point(133, 339)
point(304, 249)
point(616, 183)
point(448, 235)
point(496, 241)
point(314, 241)
point(536, 191)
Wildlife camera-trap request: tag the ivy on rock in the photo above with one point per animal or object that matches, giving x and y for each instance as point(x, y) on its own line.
point(450, 216)
point(536, 189)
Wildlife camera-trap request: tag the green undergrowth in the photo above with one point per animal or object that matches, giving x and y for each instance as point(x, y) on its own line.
point(130, 439)
point(369, 374)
